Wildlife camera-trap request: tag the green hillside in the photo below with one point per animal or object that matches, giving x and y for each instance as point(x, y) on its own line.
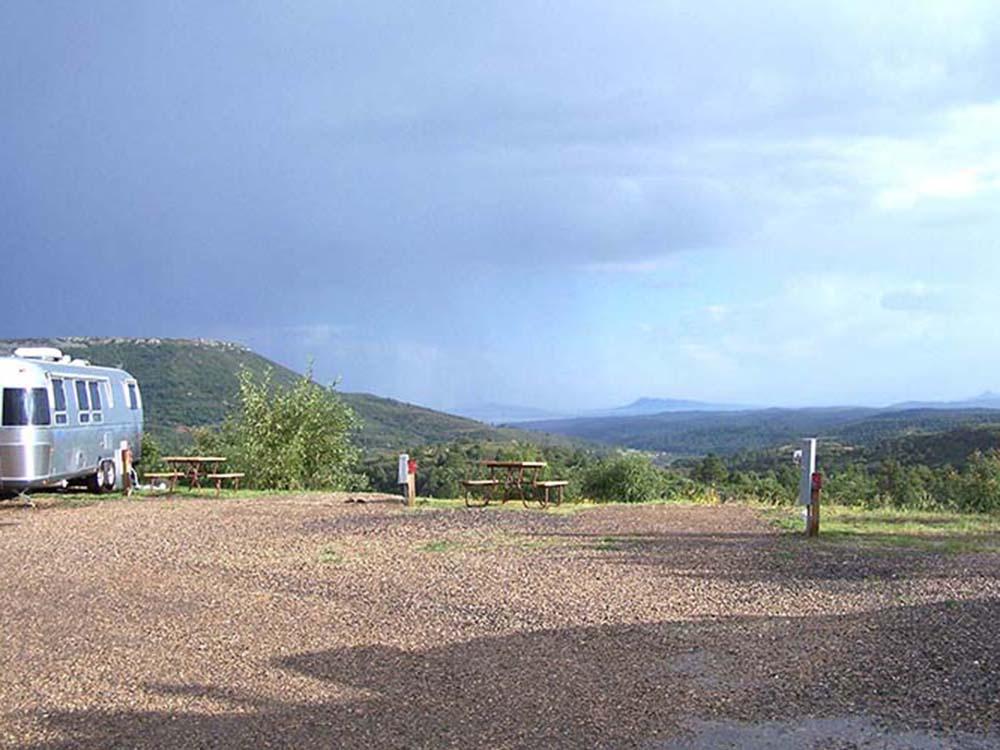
point(191, 383)
point(685, 434)
point(937, 449)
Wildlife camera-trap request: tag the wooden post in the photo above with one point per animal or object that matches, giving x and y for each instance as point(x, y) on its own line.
point(126, 468)
point(812, 510)
point(411, 490)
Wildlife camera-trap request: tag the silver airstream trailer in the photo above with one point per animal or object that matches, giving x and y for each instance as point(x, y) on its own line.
point(63, 420)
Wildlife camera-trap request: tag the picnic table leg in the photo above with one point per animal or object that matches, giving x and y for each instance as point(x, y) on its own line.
point(520, 487)
point(469, 502)
point(508, 478)
point(543, 498)
point(534, 489)
point(218, 487)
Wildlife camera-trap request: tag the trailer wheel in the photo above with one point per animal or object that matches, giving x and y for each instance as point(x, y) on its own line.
point(103, 480)
point(107, 475)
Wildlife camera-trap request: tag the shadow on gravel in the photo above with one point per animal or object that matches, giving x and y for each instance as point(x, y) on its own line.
point(930, 667)
point(748, 556)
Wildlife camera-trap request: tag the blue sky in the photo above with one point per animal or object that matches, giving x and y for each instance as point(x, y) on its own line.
point(565, 205)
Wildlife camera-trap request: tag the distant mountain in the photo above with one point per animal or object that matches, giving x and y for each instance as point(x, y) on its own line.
point(662, 405)
point(501, 414)
point(987, 400)
point(189, 383)
point(492, 413)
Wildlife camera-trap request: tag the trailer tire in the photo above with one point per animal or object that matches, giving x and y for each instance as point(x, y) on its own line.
point(102, 480)
point(107, 475)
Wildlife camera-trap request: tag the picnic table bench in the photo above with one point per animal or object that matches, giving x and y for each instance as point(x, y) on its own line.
point(474, 485)
point(171, 476)
point(517, 479)
point(552, 484)
point(232, 476)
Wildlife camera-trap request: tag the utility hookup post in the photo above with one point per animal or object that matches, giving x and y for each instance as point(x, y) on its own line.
point(810, 483)
point(406, 477)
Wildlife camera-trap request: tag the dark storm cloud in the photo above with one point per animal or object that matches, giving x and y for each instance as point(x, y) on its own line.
point(274, 167)
point(328, 133)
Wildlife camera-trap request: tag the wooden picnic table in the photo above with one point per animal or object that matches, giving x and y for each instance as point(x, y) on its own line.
point(513, 479)
point(194, 467)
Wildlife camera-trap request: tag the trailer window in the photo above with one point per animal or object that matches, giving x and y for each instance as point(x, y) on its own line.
point(95, 395)
point(82, 402)
point(59, 394)
point(24, 406)
point(133, 397)
point(59, 400)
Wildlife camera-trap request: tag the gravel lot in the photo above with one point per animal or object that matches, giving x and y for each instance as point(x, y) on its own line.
point(309, 622)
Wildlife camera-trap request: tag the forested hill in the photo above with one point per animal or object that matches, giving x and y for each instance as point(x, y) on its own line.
point(190, 383)
point(699, 433)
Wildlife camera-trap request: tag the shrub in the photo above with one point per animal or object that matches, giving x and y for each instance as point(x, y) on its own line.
point(852, 485)
point(710, 470)
point(150, 455)
point(980, 485)
point(295, 438)
point(762, 488)
point(626, 479)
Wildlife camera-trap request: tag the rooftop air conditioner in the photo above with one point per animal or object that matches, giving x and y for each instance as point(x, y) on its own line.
point(38, 352)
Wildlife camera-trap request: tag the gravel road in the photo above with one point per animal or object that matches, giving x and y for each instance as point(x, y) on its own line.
point(310, 622)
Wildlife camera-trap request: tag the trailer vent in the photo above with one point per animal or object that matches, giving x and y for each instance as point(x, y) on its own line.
point(47, 353)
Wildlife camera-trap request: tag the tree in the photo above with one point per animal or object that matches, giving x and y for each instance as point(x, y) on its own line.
point(711, 470)
point(294, 438)
point(981, 482)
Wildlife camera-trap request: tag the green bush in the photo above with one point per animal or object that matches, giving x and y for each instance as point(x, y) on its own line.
point(710, 470)
point(293, 438)
point(766, 488)
point(150, 454)
point(980, 483)
point(627, 479)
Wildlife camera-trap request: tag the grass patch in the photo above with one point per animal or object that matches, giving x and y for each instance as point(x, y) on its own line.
point(609, 544)
point(436, 503)
point(889, 528)
point(82, 498)
point(330, 556)
point(439, 545)
point(567, 508)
